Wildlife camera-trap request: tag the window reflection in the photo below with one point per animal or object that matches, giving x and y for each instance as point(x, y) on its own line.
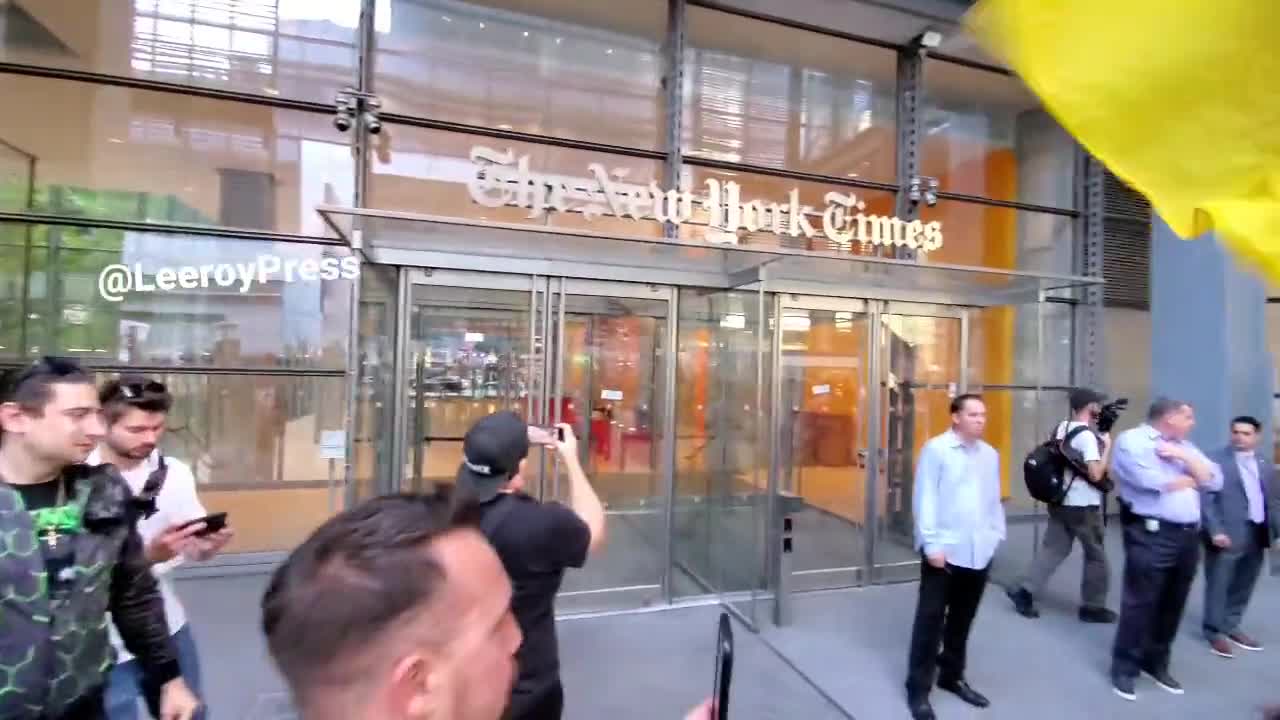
point(253, 444)
point(985, 134)
point(773, 96)
point(588, 71)
point(207, 161)
point(51, 301)
point(301, 49)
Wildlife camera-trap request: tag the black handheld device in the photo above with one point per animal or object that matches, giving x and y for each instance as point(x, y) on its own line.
point(724, 669)
point(212, 523)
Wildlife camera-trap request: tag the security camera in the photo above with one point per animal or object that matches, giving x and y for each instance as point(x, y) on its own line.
point(342, 122)
point(372, 123)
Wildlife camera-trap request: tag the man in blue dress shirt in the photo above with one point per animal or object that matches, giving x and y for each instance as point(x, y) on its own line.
point(959, 522)
point(1159, 474)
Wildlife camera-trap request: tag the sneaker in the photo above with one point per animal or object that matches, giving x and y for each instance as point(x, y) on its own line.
point(1098, 615)
point(1244, 641)
point(1220, 647)
point(1123, 686)
point(1165, 680)
point(1023, 602)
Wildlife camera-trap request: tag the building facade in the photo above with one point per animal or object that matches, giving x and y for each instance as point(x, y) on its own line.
point(748, 252)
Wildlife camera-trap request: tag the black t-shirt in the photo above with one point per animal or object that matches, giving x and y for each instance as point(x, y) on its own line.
point(58, 550)
point(536, 542)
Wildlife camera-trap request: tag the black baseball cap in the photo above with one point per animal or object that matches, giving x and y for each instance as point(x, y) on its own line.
point(491, 453)
point(1081, 397)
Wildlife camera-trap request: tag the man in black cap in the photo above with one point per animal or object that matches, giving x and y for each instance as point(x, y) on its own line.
point(535, 540)
point(1078, 516)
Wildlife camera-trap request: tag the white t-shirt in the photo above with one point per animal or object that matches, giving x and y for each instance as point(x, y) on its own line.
point(1081, 494)
point(176, 503)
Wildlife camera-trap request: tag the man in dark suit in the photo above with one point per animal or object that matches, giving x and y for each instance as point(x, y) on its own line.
point(1240, 522)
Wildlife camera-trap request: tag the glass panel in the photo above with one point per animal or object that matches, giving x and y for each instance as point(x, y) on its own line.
point(208, 162)
point(586, 71)
point(722, 474)
point(985, 134)
point(771, 191)
point(253, 443)
point(1005, 350)
point(114, 296)
point(468, 352)
point(373, 418)
point(763, 94)
point(614, 355)
point(922, 376)
point(16, 169)
point(1026, 422)
point(1003, 238)
point(290, 48)
point(428, 171)
point(825, 429)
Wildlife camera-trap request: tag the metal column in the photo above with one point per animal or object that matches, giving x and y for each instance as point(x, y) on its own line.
point(673, 85)
point(1089, 261)
point(910, 91)
point(670, 359)
point(355, 371)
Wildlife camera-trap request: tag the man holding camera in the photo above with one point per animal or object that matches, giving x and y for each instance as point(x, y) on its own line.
point(1078, 516)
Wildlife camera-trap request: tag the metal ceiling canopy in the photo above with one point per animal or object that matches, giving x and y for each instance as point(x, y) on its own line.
point(420, 240)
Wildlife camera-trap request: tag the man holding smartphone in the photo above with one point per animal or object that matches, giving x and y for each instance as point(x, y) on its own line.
point(135, 411)
point(536, 542)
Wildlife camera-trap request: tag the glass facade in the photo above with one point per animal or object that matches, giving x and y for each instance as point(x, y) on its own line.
point(187, 144)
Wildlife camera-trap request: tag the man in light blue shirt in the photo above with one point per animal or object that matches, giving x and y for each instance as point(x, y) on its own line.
point(1159, 474)
point(959, 522)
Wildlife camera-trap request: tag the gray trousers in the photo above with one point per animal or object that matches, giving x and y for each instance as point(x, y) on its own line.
point(1066, 525)
point(1229, 579)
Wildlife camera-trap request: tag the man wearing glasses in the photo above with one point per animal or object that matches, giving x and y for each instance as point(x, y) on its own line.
point(135, 411)
point(71, 556)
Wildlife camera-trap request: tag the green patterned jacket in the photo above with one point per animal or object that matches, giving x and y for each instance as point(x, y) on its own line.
point(54, 653)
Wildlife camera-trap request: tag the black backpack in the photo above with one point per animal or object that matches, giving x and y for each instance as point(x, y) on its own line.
point(1046, 467)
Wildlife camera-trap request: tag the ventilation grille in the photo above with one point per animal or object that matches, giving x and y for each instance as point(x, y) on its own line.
point(1126, 250)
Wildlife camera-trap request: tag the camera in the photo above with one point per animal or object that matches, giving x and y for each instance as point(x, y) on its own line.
point(1110, 413)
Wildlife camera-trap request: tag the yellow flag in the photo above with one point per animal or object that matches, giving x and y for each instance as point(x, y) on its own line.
point(1179, 98)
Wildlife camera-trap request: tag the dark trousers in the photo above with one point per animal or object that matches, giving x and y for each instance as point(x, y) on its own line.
point(1067, 525)
point(1159, 568)
point(948, 601)
point(1229, 578)
point(546, 705)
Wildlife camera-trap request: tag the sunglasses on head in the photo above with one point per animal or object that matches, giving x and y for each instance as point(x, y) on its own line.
point(47, 365)
point(136, 390)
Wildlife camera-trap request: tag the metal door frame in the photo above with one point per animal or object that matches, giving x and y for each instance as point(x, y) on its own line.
point(881, 364)
point(546, 311)
point(875, 375)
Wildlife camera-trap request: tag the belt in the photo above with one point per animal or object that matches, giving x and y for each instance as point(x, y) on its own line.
point(1135, 517)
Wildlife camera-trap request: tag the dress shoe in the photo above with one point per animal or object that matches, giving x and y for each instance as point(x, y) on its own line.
point(961, 689)
point(1023, 602)
point(921, 709)
point(1099, 615)
point(1244, 641)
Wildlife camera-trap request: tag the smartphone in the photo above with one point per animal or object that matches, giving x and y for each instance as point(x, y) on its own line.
point(212, 523)
point(724, 669)
point(543, 436)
